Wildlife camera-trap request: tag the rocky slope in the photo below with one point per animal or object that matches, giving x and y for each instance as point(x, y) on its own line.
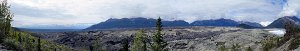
point(179, 38)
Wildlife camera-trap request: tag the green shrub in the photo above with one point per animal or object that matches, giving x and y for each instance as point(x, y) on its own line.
point(125, 44)
point(294, 44)
point(221, 46)
point(11, 43)
point(272, 43)
point(138, 42)
point(249, 49)
point(235, 47)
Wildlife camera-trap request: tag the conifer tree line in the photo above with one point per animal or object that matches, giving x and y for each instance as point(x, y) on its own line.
point(141, 42)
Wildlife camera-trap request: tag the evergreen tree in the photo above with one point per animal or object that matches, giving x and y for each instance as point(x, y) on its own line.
point(91, 48)
point(138, 41)
point(19, 37)
point(5, 19)
point(159, 44)
point(39, 45)
point(144, 48)
point(249, 49)
point(97, 45)
point(125, 44)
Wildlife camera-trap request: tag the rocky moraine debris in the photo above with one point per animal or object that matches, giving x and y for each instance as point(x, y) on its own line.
point(193, 38)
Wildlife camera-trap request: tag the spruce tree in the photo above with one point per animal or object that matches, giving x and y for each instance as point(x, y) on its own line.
point(125, 44)
point(144, 48)
point(249, 49)
point(138, 41)
point(39, 45)
point(159, 44)
point(91, 48)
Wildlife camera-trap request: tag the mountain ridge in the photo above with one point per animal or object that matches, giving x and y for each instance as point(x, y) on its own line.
point(279, 23)
point(140, 22)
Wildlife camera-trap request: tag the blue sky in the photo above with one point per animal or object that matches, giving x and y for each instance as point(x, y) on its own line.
point(79, 14)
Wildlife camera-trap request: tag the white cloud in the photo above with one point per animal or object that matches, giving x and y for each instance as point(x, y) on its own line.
point(292, 8)
point(94, 11)
point(265, 23)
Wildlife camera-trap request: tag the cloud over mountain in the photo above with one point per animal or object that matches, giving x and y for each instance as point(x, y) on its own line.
point(61, 12)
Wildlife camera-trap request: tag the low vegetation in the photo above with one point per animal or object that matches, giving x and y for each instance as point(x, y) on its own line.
point(249, 49)
point(234, 47)
point(96, 46)
point(294, 44)
point(125, 45)
point(271, 43)
point(139, 42)
point(222, 46)
point(24, 41)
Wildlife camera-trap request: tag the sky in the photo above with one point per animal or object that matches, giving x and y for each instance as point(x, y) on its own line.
point(79, 14)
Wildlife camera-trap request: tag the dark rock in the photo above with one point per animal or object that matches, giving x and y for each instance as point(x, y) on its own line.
point(180, 46)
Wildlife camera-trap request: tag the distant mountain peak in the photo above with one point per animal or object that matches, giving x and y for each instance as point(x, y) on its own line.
point(279, 23)
point(215, 22)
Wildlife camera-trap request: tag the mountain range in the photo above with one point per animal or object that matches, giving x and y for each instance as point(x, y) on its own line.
point(149, 22)
point(144, 22)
